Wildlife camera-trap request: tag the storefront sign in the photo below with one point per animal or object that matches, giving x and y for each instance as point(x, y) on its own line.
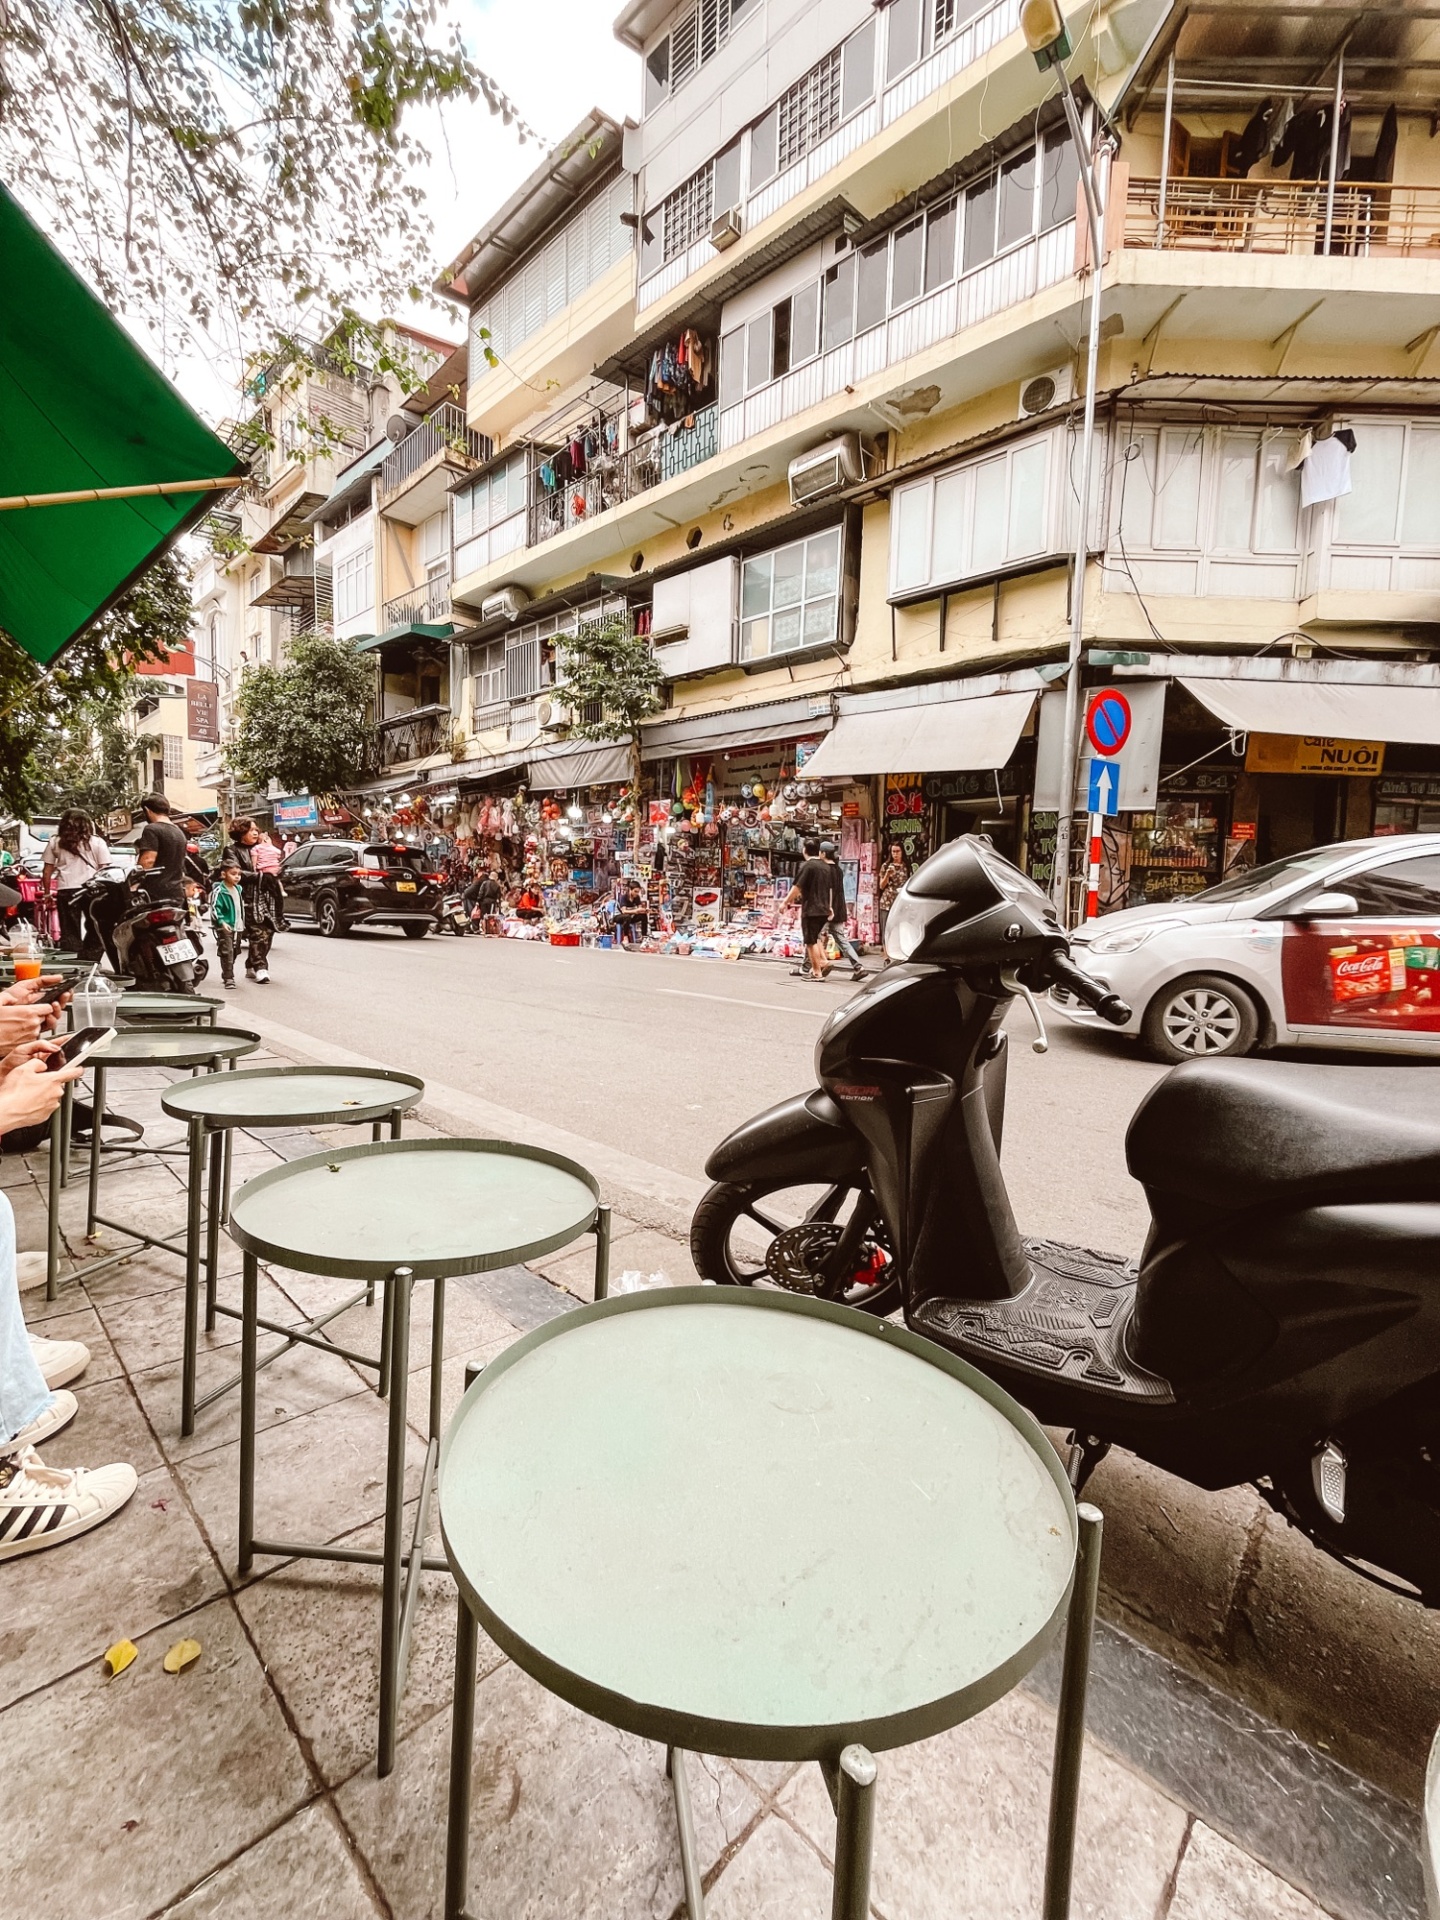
point(202, 711)
point(1418, 786)
point(904, 806)
point(973, 786)
point(295, 810)
point(1307, 753)
point(1040, 851)
point(118, 820)
point(1242, 829)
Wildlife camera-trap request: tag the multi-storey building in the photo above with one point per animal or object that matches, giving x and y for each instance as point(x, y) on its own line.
point(790, 373)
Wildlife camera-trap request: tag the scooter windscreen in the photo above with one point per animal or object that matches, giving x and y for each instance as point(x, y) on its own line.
point(963, 880)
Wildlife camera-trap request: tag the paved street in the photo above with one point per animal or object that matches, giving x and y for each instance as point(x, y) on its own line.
point(663, 1056)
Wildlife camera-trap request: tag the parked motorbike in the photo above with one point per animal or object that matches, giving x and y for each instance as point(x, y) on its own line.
point(149, 941)
point(1282, 1323)
point(454, 915)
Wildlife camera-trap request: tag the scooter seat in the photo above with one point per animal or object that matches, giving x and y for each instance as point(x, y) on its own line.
point(1240, 1133)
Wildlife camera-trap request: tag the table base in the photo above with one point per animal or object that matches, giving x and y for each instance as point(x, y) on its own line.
point(850, 1778)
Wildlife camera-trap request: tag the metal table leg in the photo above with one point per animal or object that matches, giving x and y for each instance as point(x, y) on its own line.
point(854, 1834)
point(67, 1107)
point(685, 1820)
point(1070, 1721)
point(462, 1742)
point(58, 1122)
point(602, 1253)
point(97, 1127)
point(400, 1284)
point(249, 1306)
point(195, 1174)
point(212, 1223)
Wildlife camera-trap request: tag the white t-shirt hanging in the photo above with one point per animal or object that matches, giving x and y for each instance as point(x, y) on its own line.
point(1326, 472)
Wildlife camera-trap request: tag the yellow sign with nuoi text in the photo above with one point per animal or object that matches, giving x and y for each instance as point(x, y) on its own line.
point(1308, 753)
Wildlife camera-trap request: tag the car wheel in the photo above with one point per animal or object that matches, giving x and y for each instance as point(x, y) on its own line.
point(414, 929)
point(327, 918)
point(1201, 1017)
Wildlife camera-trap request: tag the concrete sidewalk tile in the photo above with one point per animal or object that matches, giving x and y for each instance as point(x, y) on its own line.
point(567, 1815)
point(316, 1477)
point(109, 1426)
point(150, 1328)
point(644, 1248)
point(308, 1857)
point(452, 1381)
point(1218, 1882)
point(73, 1318)
point(317, 1625)
point(166, 1775)
point(70, 1602)
point(298, 1383)
point(774, 1876)
point(960, 1824)
point(147, 1271)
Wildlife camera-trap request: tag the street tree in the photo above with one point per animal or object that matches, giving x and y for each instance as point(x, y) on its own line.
point(64, 730)
point(610, 675)
point(309, 723)
point(219, 168)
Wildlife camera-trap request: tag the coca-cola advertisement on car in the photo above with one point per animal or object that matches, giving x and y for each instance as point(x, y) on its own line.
point(1385, 978)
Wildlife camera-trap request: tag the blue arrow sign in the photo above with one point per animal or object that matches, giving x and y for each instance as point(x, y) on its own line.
point(1104, 786)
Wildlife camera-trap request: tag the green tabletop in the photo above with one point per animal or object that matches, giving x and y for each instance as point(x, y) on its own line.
point(298, 1096)
point(439, 1207)
point(175, 1046)
point(751, 1524)
point(166, 1006)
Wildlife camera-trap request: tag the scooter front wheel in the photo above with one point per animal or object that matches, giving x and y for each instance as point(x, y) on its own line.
point(778, 1234)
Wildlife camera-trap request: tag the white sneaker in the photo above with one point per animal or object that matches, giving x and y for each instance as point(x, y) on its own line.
point(61, 1411)
point(31, 1270)
point(61, 1361)
point(40, 1506)
point(262, 974)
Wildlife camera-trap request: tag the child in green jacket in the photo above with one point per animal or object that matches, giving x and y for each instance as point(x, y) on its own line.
point(227, 916)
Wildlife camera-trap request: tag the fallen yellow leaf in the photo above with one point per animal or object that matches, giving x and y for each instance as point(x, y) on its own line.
point(118, 1657)
point(181, 1655)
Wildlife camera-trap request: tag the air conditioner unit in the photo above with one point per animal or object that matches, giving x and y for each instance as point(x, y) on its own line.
point(726, 228)
point(826, 469)
point(508, 604)
point(1045, 390)
point(552, 715)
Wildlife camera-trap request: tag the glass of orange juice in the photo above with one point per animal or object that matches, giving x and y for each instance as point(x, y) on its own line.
point(27, 966)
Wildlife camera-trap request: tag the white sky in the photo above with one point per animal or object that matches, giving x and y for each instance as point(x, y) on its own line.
point(555, 59)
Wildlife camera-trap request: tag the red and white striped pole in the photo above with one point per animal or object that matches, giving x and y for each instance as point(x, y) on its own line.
point(1092, 888)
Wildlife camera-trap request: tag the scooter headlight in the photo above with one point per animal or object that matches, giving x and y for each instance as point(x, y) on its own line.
point(907, 924)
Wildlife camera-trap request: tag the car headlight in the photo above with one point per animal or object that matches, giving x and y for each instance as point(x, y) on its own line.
point(1127, 939)
point(906, 924)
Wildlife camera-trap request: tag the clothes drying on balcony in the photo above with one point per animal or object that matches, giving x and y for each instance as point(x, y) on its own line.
point(679, 377)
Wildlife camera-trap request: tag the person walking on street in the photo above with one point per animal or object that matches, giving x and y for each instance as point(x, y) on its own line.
point(74, 855)
point(161, 855)
point(227, 915)
point(838, 923)
point(812, 894)
point(483, 897)
point(259, 889)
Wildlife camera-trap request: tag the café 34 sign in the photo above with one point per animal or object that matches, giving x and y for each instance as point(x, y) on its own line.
point(1308, 753)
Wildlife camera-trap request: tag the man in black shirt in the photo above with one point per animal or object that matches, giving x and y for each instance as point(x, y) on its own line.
point(162, 853)
point(811, 893)
point(839, 922)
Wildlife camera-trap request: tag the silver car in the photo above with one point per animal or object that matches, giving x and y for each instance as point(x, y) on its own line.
point(1336, 947)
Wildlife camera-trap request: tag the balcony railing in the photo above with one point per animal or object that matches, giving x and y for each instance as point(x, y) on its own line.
point(608, 482)
point(490, 716)
point(1284, 216)
point(422, 606)
point(444, 432)
point(414, 735)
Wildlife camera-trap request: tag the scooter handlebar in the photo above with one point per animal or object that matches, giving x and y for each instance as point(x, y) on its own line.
point(1090, 993)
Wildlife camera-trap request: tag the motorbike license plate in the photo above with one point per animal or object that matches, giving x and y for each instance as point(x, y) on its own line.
point(405, 886)
point(177, 953)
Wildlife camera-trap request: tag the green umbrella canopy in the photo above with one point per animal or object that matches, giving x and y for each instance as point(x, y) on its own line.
point(82, 407)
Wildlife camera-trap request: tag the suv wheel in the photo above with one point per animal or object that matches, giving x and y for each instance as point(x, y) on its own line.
point(1201, 1017)
point(414, 929)
point(327, 918)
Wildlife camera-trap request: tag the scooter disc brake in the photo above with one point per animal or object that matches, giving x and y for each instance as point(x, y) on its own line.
point(796, 1256)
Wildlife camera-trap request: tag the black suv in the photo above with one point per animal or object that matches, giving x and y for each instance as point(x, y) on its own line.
point(339, 884)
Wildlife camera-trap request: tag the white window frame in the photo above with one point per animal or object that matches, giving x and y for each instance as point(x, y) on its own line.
point(746, 653)
point(474, 545)
point(354, 584)
point(919, 498)
point(172, 755)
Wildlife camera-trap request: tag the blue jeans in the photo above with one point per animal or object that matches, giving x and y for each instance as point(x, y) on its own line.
point(24, 1395)
point(836, 931)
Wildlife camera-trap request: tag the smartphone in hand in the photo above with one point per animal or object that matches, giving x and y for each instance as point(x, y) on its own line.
point(78, 1048)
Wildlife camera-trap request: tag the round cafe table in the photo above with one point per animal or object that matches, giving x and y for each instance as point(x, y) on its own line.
point(397, 1212)
point(767, 1527)
point(215, 1107)
point(177, 1009)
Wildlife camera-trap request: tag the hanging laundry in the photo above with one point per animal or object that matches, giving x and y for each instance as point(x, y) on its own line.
point(1306, 143)
point(1255, 141)
point(1300, 452)
point(1326, 472)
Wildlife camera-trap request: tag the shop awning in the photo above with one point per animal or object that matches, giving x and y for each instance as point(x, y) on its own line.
point(411, 630)
point(1324, 709)
point(586, 767)
point(82, 408)
point(951, 736)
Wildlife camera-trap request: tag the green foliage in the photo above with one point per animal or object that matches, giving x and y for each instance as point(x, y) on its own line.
point(99, 762)
point(62, 731)
point(608, 665)
point(307, 724)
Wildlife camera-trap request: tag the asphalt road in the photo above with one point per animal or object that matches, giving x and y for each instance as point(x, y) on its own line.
point(662, 1057)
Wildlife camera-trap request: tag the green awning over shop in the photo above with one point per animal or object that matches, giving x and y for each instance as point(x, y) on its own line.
point(412, 630)
point(82, 407)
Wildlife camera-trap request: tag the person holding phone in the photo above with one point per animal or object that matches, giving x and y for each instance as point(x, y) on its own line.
point(40, 1506)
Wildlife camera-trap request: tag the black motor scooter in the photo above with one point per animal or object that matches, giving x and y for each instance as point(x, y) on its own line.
point(149, 941)
point(1282, 1325)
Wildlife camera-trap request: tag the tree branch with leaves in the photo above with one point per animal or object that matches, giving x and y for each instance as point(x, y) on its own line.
point(608, 670)
point(309, 724)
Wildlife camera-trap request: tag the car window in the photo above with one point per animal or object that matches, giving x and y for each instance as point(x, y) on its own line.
point(391, 859)
point(1258, 880)
point(1401, 889)
point(302, 857)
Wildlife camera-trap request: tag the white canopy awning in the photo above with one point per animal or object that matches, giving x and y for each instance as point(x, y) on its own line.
point(1324, 709)
point(586, 767)
point(947, 736)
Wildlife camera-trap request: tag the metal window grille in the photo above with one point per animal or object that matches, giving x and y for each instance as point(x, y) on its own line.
point(522, 664)
point(324, 596)
point(173, 748)
point(686, 213)
point(810, 109)
point(487, 669)
point(945, 11)
point(698, 37)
